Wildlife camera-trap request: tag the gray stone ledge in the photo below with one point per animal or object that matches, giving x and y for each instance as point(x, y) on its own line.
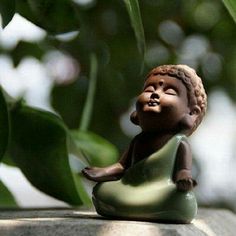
point(71, 222)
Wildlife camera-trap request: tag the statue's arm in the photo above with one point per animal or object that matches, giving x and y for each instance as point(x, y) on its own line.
point(109, 173)
point(183, 168)
point(102, 174)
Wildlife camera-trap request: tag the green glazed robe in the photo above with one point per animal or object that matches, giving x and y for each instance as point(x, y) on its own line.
point(147, 191)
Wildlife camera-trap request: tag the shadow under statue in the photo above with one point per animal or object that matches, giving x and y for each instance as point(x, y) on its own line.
point(152, 180)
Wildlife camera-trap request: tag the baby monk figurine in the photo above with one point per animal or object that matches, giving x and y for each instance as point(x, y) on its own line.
point(153, 180)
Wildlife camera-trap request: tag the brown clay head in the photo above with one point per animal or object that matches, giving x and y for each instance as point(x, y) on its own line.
point(173, 100)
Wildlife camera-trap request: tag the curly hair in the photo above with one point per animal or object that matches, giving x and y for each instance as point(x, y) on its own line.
point(193, 83)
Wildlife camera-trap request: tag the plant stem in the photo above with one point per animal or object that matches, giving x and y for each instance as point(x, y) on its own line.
point(136, 21)
point(88, 107)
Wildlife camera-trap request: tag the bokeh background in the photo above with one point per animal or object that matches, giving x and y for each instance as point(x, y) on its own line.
point(51, 72)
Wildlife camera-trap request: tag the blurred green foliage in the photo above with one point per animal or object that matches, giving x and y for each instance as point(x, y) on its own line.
point(175, 32)
point(194, 32)
point(231, 6)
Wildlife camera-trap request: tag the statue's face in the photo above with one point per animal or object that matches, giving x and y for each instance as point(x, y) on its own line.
point(162, 103)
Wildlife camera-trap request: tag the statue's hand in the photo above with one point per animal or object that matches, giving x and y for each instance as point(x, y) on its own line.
point(185, 184)
point(93, 173)
point(184, 180)
point(109, 173)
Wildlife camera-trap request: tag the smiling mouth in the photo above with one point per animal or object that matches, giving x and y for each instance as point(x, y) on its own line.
point(153, 103)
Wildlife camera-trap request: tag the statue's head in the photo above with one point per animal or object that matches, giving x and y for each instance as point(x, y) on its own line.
point(173, 100)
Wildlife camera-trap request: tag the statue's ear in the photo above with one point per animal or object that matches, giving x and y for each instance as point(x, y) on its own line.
point(189, 119)
point(195, 111)
point(134, 118)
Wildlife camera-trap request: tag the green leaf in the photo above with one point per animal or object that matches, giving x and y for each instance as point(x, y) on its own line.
point(7, 11)
point(24, 49)
point(4, 124)
point(88, 107)
point(97, 150)
point(75, 94)
point(6, 198)
point(39, 148)
point(56, 17)
point(136, 20)
point(231, 6)
point(8, 160)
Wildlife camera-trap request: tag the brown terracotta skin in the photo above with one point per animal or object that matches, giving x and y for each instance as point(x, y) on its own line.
point(162, 111)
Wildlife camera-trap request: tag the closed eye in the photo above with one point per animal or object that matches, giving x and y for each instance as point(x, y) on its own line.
point(171, 91)
point(149, 89)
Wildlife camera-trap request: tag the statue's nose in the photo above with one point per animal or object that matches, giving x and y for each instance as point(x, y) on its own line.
point(155, 95)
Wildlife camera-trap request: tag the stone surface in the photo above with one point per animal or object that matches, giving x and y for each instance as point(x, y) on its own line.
point(72, 222)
